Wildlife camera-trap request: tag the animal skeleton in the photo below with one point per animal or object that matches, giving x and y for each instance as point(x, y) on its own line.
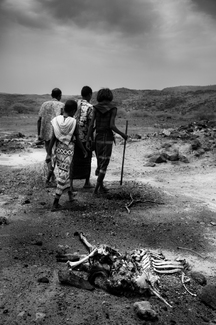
point(137, 271)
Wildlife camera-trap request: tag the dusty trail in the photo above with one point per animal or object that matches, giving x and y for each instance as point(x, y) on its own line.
point(186, 219)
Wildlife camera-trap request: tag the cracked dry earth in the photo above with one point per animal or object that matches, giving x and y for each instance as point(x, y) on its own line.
point(177, 217)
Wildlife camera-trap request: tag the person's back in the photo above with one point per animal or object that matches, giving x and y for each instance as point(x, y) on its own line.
point(81, 167)
point(84, 116)
point(48, 111)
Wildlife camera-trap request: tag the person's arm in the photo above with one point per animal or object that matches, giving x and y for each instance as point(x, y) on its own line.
point(113, 126)
point(79, 143)
point(39, 126)
point(91, 130)
point(41, 112)
point(51, 144)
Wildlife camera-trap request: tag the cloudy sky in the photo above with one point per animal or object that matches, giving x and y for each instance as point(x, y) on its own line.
point(138, 44)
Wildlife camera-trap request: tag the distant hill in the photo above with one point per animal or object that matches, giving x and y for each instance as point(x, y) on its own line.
point(181, 100)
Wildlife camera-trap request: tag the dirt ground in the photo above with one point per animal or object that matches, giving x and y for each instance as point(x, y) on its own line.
point(176, 217)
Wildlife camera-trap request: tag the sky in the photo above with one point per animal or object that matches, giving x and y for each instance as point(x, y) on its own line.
point(136, 44)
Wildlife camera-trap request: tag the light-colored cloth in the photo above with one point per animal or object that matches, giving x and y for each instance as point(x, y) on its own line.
point(47, 112)
point(83, 117)
point(63, 128)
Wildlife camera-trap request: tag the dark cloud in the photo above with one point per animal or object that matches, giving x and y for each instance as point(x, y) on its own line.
point(206, 6)
point(124, 16)
point(21, 14)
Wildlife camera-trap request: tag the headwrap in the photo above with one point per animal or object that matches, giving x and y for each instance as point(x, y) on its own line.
point(64, 128)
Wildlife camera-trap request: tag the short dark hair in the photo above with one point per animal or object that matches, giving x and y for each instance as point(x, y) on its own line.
point(56, 92)
point(86, 91)
point(104, 94)
point(70, 106)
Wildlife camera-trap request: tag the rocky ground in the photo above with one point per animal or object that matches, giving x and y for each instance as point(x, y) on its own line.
point(176, 216)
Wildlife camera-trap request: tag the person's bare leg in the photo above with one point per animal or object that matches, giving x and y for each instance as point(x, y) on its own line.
point(56, 204)
point(70, 196)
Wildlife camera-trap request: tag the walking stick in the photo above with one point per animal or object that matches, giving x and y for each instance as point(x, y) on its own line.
point(125, 141)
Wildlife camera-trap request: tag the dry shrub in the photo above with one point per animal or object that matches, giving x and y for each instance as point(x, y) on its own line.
point(133, 190)
point(20, 108)
point(203, 115)
point(139, 113)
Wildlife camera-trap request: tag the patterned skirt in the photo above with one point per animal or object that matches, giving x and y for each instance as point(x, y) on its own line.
point(64, 155)
point(103, 150)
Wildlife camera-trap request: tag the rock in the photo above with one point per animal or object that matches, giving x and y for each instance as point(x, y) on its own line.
point(195, 144)
point(208, 295)
point(199, 278)
point(69, 278)
point(27, 201)
point(160, 159)
point(199, 152)
point(21, 314)
point(37, 242)
point(4, 221)
point(43, 280)
point(39, 316)
point(144, 311)
point(173, 157)
point(150, 164)
point(183, 159)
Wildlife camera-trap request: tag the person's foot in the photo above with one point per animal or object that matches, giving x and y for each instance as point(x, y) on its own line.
point(103, 189)
point(56, 207)
point(71, 196)
point(88, 185)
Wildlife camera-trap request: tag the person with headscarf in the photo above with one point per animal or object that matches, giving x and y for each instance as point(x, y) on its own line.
point(65, 131)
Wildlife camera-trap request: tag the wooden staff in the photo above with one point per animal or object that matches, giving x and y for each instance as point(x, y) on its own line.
point(125, 141)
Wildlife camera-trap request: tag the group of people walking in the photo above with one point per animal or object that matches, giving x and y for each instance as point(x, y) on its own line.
point(71, 131)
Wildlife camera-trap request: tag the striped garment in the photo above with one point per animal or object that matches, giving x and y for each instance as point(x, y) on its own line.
point(64, 155)
point(103, 150)
point(63, 129)
point(104, 136)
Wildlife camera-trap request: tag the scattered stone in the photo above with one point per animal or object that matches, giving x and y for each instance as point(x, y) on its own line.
point(144, 311)
point(4, 221)
point(150, 164)
point(27, 201)
point(199, 278)
point(173, 157)
point(183, 158)
point(43, 280)
point(69, 278)
point(208, 295)
point(158, 159)
point(39, 316)
point(37, 242)
point(195, 144)
point(21, 314)
point(161, 159)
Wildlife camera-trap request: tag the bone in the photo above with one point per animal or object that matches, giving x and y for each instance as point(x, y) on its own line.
point(77, 263)
point(160, 297)
point(168, 266)
point(167, 271)
point(167, 263)
point(84, 241)
point(183, 283)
